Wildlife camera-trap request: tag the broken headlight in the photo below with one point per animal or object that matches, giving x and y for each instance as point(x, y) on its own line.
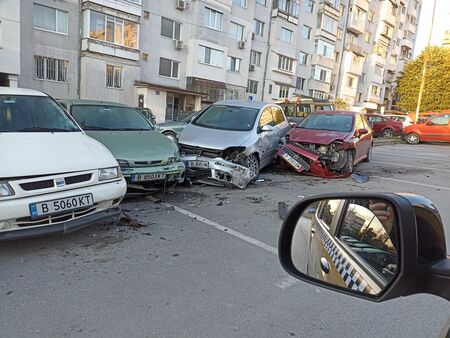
point(123, 163)
point(337, 146)
point(173, 159)
point(6, 190)
point(322, 150)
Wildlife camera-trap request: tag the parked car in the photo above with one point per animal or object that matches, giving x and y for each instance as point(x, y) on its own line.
point(434, 129)
point(148, 114)
point(147, 158)
point(53, 177)
point(384, 126)
point(404, 119)
point(328, 143)
point(230, 141)
point(300, 107)
point(371, 246)
point(174, 128)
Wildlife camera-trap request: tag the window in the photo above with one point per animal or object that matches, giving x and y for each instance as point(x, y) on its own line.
point(270, 89)
point(285, 63)
point(309, 5)
point(387, 31)
point(46, 68)
point(168, 68)
point(442, 120)
point(286, 35)
point(252, 86)
point(403, 9)
point(288, 6)
point(336, 3)
point(236, 31)
point(50, 19)
point(379, 70)
point(277, 114)
point(302, 58)
point(258, 27)
point(367, 36)
point(370, 16)
point(325, 49)
point(328, 211)
point(358, 97)
point(393, 10)
point(266, 118)
point(321, 74)
point(284, 92)
point(400, 25)
point(318, 94)
point(336, 56)
point(231, 94)
point(255, 58)
point(300, 83)
point(362, 79)
point(339, 33)
point(328, 23)
point(261, 2)
point(380, 49)
point(358, 16)
point(352, 38)
point(240, 3)
point(212, 19)
point(233, 64)
point(393, 59)
point(375, 90)
point(306, 32)
point(170, 29)
point(351, 81)
point(112, 29)
point(210, 56)
point(113, 76)
point(356, 59)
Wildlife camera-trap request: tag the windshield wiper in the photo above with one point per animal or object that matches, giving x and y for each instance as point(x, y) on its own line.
point(132, 129)
point(44, 129)
point(95, 128)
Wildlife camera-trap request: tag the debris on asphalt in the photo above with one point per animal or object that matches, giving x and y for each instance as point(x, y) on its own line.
point(170, 208)
point(219, 204)
point(254, 199)
point(360, 178)
point(283, 209)
point(127, 220)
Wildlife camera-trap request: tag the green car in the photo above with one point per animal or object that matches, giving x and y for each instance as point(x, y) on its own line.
point(147, 159)
point(172, 129)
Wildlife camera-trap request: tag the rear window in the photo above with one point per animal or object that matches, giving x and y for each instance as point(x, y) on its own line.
point(331, 122)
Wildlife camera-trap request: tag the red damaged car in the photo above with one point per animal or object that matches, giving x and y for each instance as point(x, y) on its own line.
point(328, 144)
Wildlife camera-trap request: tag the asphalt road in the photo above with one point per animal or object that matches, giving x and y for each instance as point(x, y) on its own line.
point(205, 265)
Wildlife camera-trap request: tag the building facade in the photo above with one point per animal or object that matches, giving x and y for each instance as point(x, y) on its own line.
point(9, 43)
point(181, 55)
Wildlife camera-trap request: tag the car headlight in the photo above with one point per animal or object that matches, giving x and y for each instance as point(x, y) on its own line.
point(6, 190)
point(173, 159)
point(123, 163)
point(322, 150)
point(109, 173)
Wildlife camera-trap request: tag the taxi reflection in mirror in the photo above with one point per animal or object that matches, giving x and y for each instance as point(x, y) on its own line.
point(349, 243)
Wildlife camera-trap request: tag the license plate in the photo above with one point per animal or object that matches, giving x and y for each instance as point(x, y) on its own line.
point(148, 177)
point(292, 162)
point(198, 164)
point(61, 205)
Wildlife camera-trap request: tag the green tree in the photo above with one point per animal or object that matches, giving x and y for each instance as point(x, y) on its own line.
point(340, 104)
point(436, 94)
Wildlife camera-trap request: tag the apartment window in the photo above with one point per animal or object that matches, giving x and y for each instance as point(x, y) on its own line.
point(375, 90)
point(358, 97)
point(284, 92)
point(328, 23)
point(300, 83)
point(393, 60)
point(231, 94)
point(336, 3)
point(306, 32)
point(112, 29)
point(318, 94)
point(210, 56)
point(285, 63)
point(170, 29)
point(387, 31)
point(286, 35)
point(339, 33)
point(270, 89)
point(379, 70)
point(381, 49)
point(240, 3)
point(403, 9)
point(400, 25)
point(258, 27)
point(261, 2)
point(212, 19)
point(302, 58)
point(309, 5)
point(362, 79)
point(336, 56)
point(233, 64)
point(356, 59)
point(288, 6)
point(341, 10)
point(255, 58)
point(50, 19)
point(50, 69)
point(353, 38)
point(370, 15)
point(168, 68)
point(351, 81)
point(416, 4)
point(321, 74)
point(393, 10)
point(113, 76)
point(358, 16)
point(252, 86)
point(236, 31)
point(367, 36)
point(325, 49)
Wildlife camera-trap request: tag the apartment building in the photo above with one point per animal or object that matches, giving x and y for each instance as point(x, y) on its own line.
point(9, 43)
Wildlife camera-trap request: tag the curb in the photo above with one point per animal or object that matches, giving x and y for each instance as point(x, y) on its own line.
point(385, 142)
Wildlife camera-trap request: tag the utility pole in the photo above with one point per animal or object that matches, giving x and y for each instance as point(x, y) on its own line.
point(425, 61)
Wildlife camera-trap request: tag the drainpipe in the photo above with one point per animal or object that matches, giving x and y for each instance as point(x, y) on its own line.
point(268, 52)
point(344, 39)
point(80, 33)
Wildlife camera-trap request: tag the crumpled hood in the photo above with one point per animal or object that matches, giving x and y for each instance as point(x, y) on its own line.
point(212, 138)
point(29, 154)
point(136, 145)
point(316, 136)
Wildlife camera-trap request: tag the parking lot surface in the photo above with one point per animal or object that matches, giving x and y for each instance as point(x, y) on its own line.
point(202, 262)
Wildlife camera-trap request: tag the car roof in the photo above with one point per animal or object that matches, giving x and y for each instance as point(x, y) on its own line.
point(77, 102)
point(20, 91)
point(243, 103)
point(336, 112)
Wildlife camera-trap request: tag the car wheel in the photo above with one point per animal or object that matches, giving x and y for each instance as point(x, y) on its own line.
point(252, 163)
point(412, 138)
point(172, 136)
point(348, 168)
point(369, 154)
point(387, 133)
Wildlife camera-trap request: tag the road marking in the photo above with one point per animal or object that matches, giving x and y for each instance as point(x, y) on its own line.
point(286, 282)
point(416, 183)
point(412, 156)
point(412, 166)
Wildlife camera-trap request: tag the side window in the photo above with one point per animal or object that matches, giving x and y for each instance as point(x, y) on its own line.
point(375, 119)
point(266, 118)
point(440, 120)
point(365, 122)
point(328, 211)
point(278, 116)
point(359, 122)
point(303, 110)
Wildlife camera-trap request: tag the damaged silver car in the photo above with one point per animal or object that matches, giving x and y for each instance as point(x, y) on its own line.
point(230, 141)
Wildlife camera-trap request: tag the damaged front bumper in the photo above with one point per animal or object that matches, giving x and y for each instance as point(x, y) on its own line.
point(217, 169)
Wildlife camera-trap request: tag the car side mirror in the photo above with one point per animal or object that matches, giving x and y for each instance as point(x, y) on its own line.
point(372, 246)
point(362, 131)
point(267, 128)
point(429, 123)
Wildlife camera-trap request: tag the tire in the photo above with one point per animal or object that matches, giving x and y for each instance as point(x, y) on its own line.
point(412, 138)
point(349, 165)
point(369, 154)
point(387, 133)
point(172, 136)
point(252, 162)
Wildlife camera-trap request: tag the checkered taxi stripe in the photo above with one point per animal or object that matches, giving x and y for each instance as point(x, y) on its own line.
point(351, 277)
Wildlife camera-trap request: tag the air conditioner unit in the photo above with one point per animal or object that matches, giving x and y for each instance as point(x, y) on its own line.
point(253, 36)
point(251, 68)
point(182, 4)
point(241, 44)
point(178, 44)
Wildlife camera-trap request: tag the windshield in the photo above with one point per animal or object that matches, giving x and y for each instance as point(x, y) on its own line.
point(228, 118)
point(343, 123)
point(33, 114)
point(104, 117)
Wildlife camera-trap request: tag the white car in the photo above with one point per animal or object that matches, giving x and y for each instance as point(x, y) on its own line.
point(53, 177)
point(406, 120)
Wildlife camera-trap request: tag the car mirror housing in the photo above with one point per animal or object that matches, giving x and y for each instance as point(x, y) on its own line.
point(362, 131)
point(267, 128)
point(372, 246)
point(429, 123)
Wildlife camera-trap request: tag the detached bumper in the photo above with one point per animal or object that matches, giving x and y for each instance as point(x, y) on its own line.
point(218, 170)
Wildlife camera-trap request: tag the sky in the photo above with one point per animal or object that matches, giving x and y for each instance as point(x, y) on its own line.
point(441, 23)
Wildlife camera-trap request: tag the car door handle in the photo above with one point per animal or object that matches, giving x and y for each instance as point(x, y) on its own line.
point(324, 265)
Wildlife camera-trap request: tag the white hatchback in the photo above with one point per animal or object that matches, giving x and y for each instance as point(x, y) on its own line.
point(53, 177)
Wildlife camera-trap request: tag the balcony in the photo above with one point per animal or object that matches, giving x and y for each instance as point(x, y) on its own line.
point(102, 47)
point(354, 48)
point(326, 6)
point(412, 28)
point(318, 85)
point(130, 6)
point(326, 34)
point(355, 68)
point(356, 26)
point(322, 61)
point(363, 4)
point(407, 43)
point(389, 18)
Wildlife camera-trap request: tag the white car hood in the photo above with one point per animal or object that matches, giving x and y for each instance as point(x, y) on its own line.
point(29, 154)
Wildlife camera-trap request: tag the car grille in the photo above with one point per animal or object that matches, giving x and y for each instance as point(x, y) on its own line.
point(199, 151)
point(148, 163)
point(78, 179)
point(51, 219)
point(45, 184)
